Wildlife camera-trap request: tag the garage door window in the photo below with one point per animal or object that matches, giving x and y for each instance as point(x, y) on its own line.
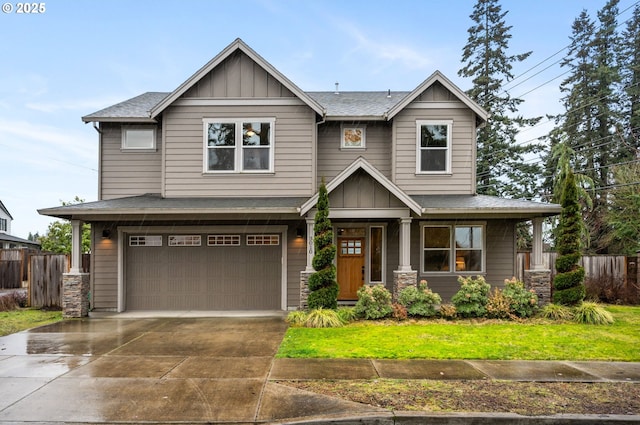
point(223, 240)
point(260, 240)
point(185, 240)
point(145, 240)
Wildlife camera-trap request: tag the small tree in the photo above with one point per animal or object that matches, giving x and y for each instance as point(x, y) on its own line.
point(569, 281)
point(57, 239)
point(323, 288)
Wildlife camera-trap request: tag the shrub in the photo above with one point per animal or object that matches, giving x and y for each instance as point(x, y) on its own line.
point(499, 305)
point(7, 302)
point(374, 302)
point(347, 314)
point(523, 302)
point(297, 318)
point(323, 318)
point(570, 296)
point(592, 314)
point(557, 312)
point(448, 311)
point(419, 300)
point(471, 300)
point(20, 298)
point(399, 312)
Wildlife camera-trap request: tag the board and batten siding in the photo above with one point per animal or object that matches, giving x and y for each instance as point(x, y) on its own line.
point(184, 153)
point(500, 257)
point(460, 181)
point(127, 173)
point(104, 269)
point(332, 159)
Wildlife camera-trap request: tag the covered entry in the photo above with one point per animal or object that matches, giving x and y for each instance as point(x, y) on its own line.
point(203, 271)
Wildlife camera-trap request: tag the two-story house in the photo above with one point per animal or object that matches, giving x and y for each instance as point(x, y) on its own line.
point(207, 193)
point(7, 240)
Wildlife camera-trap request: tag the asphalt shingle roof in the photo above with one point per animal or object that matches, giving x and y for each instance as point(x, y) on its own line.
point(138, 107)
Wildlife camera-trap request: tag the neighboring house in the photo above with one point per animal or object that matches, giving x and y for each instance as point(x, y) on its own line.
point(8, 241)
point(207, 193)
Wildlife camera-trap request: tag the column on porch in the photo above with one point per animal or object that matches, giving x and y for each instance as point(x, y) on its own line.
point(538, 277)
point(404, 276)
point(75, 284)
point(309, 270)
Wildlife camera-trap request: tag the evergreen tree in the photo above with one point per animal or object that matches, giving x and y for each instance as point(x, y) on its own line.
point(631, 82)
point(501, 168)
point(623, 216)
point(323, 288)
point(568, 283)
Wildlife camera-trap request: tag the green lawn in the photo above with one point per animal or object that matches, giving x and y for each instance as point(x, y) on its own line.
point(536, 339)
point(26, 318)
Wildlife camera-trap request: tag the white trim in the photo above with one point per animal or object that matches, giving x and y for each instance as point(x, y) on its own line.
point(364, 213)
point(362, 128)
point(452, 247)
point(126, 129)
point(254, 101)
point(363, 164)
point(382, 226)
point(239, 148)
point(448, 150)
point(123, 230)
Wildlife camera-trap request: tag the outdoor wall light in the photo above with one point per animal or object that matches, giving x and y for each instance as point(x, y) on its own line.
point(299, 233)
point(106, 234)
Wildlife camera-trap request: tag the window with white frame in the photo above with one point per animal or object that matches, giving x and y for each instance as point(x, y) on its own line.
point(239, 145)
point(223, 240)
point(135, 138)
point(3, 225)
point(452, 248)
point(257, 240)
point(433, 154)
point(145, 240)
point(353, 137)
point(185, 240)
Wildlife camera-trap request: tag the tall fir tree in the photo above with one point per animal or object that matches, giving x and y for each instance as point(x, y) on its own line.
point(501, 166)
point(631, 83)
point(323, 288)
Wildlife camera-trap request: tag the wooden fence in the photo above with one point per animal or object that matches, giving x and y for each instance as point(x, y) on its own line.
point(610, 278)
point(14, 268)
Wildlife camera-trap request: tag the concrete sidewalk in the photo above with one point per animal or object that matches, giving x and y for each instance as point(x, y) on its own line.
point(222, 370)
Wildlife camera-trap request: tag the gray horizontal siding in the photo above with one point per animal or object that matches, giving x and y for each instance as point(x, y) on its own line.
point(184, 153)
point(127, 173)
point(104, 269)
point(332, 160)
point(297, 262)
point(462, 162)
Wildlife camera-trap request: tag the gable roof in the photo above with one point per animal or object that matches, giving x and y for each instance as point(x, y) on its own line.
point(439, 77)
point(238, 44)
point(6, 211)
point(363, 164)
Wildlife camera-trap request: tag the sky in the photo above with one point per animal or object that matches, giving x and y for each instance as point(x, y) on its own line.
point(79, 56)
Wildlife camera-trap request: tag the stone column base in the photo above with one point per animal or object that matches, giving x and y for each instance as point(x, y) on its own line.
point(402, 279)
point(75, 295)
point(540, 282)
point(304, 289)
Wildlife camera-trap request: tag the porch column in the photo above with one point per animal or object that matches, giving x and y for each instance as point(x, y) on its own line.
point(538, 278)
point(310, 247)
point(405, 244)
point(404, 276)
point(536, 254)
point(76, 246)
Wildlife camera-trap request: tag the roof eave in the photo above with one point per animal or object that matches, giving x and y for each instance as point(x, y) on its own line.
point(145, 120)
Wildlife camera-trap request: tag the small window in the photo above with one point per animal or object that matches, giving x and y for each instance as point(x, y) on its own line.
point(255, 240)
point(145, 240)
point(138, 139)
point(223, 240)
point(3, 224)
point(433, 147)
point(353, 137)
point(185, 240)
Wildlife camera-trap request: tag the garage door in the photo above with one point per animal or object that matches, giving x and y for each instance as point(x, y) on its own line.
point(203, 272)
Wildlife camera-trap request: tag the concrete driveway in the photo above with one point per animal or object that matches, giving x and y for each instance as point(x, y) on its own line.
point(152, 370)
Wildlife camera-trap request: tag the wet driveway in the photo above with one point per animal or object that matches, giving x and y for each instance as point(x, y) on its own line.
point(146, 370)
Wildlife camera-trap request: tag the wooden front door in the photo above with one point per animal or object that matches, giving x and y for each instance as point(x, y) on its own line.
point(350, 267)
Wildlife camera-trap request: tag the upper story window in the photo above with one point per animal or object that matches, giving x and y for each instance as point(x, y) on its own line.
point(239, 146)
point(138, 138)
point(353, 137)
point(433, 154)
point(452, 248)
point(3, 224)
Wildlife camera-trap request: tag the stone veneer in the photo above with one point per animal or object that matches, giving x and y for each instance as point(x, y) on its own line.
point(401, 280)
point(304, 289)
point(540, 282)
point(75, 295)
